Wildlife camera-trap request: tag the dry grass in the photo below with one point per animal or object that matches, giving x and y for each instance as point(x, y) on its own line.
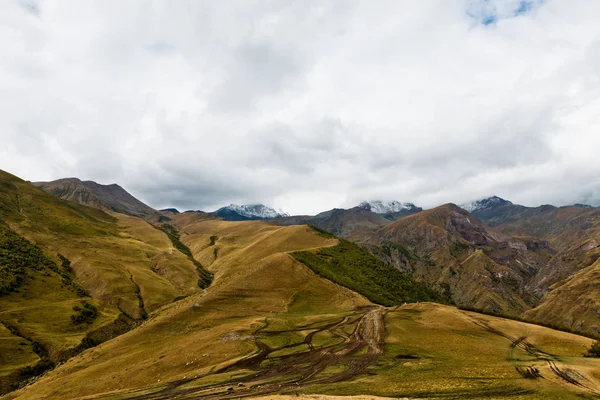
point(255, 279)
point(118, 259)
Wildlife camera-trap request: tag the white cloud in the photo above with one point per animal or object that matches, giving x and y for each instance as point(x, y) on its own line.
point(305, 105)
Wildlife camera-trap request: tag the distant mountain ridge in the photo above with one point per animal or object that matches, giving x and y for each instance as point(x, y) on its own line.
point(386, 207)
point(484, 203)
point(105, 197)
point(234, 212)
point(356, 223)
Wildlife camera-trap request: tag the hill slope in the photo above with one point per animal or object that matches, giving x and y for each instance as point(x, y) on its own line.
point(96, 276)
point(567, 283)
point(268, 324)
point(476, 266)
point(104, 197)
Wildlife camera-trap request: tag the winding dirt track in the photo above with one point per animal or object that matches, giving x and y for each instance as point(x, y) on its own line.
point(349, 358)
point(565, 375)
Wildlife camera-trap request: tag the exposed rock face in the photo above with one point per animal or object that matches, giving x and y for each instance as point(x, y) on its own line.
point(567, 284)
point(105, 197)
point(473, 264)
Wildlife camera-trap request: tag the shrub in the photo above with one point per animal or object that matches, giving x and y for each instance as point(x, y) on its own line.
point(87, 313)
point(17, 255)
point(355, 268)
point(594, 351)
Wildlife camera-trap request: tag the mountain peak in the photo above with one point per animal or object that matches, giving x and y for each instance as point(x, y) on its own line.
point(105, 197)
point(385, 207)
point(236, 212)
point(484, 203)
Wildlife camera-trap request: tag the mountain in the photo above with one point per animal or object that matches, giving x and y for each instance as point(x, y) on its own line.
point(246, 212)
point(352, 224)
point(388, 207)
point(73, 276)
point(108, 305)
point(170, 210)
point(571, 275)
point(485, 204)
point(448, 248)
point(357, 223)
point(281, 316)
point(104, 197)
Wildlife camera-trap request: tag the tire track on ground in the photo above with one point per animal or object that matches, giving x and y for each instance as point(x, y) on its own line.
point(295, 370)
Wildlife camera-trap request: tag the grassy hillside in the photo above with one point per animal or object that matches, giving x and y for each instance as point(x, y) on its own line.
point(573, 303)
point(355, 268)
point(268, 324)
point(255, 282)
point(61, 262)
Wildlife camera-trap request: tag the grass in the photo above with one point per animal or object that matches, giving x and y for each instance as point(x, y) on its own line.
point(557, 327)
point(431, 350)
point(257, 279)
point(435, 351)
point(353, 267)
point(55, 254)
point(204, 277)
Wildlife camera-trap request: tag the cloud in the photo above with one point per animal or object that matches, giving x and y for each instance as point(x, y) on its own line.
point(305, 106)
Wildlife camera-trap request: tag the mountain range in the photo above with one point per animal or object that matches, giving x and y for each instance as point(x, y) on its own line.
point(101, 295)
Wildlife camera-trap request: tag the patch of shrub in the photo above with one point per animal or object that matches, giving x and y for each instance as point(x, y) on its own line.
point(17, 255)
point(65, 263)
point(355, 268)
point(594, 351)
point(87, 313)
point(42, 366)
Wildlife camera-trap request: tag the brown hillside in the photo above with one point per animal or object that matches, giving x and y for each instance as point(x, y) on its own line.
point(104, 197)
point(451, 249)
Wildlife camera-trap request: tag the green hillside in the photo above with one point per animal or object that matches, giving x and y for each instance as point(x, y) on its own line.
point(355, 268)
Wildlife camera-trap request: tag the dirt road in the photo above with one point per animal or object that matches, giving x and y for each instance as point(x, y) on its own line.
point(352, 356)
point(547, 366)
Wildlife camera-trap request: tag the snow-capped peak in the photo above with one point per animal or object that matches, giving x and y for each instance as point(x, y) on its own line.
point(482, 204)
point(385, 207)
point(256, 211)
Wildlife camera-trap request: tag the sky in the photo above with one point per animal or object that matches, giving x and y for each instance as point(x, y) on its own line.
point(305, 105)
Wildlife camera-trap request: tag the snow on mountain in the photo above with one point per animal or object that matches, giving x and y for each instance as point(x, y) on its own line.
point(253, 211)
point(385, 207)
point(482, 204)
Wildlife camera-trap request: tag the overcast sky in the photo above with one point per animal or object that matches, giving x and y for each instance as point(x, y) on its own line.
point(305, 105)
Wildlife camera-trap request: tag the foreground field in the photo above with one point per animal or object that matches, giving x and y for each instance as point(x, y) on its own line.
point(269, 325)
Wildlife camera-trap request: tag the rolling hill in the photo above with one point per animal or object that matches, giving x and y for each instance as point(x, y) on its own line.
point(97, 304)
point(74, 276)
point(268, 325)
